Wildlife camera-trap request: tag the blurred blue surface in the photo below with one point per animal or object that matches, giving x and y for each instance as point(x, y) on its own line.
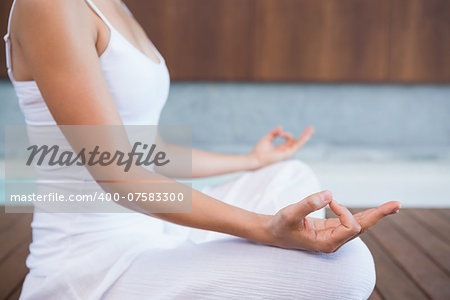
point(406, 119)
point(393, 140)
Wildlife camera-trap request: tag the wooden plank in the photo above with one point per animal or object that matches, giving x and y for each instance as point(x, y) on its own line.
point(200, 39)
point(16, 293)
point(392, 282)
point(13, 270)
point(419, 41)
point(269, 39)
point(7, 220)
point(434, 221)
point(391, 242)
point(296, 40)
point(375, 295)
point(420, 268)
point(309, 40)
point(423, 238)
point(15, 235)
point(445, 212)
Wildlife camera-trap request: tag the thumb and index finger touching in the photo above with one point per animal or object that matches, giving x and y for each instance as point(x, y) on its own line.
point(304, 137)
point(350, 225)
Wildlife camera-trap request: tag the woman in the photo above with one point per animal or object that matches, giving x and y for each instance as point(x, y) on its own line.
point(87, 62)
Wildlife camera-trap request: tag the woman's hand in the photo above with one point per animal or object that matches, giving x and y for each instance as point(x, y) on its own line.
point(265, 152)
point(290, 228)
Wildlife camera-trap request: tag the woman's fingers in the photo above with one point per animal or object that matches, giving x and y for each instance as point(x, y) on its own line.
point(305, 136)
point(324, 235)
point(287, 136)
point(291, 142)
point(275, 132)
point(272, 134)
point(345, 216)
point(296, 212)
point(371, 216)
point(337, 231)
point(346, 230)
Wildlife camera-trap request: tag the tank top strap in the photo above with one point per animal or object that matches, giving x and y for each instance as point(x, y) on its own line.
point(100, 14)
point(7, 40)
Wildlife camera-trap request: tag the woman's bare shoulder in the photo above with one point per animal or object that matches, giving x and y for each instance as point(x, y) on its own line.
point(52, 7)
point(51, 15)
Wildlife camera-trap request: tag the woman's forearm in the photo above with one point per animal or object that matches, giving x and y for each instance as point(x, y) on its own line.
point(203, 211)
point(205, 163)
point(211, 214)
point(210, 164)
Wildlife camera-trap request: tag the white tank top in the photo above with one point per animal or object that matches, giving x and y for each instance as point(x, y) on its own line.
point(138, 84)
point(140, 88)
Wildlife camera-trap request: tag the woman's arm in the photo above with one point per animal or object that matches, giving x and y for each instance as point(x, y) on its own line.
point(206, 163)
point(264, 153)
point(58, 40)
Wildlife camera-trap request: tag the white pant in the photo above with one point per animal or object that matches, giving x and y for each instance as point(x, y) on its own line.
point(208, 265)
point(223, 267)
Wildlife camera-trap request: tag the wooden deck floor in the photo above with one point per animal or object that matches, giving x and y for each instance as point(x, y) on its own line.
point(411, 252)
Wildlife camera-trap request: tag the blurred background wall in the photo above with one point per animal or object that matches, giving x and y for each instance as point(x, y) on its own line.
point(401, 41)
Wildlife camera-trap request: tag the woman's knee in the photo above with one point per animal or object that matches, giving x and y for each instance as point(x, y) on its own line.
point(221, 269)
point(355, 278)
point(298, 169)
point(348, 273)
point(295, 164)
point(292, 181)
